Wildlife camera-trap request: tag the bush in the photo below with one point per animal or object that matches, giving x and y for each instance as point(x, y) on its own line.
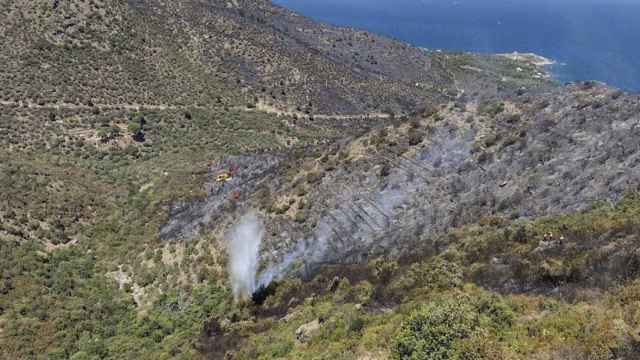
point(134, 128)
point(489, 108)
point(382, 269)
point(385, 170)
point(453, 325)
point(300, 217)
point(480, 347)
point(496, 312)
point(314, 177)
point(362, 292)
point(431, 331)
point(106, 134)
point(415, 138)
point(437, 274)
point(491, 140)
point(356, 325)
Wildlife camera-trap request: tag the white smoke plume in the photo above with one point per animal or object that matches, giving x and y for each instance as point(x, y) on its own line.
point(244, 246)
point(376, 206)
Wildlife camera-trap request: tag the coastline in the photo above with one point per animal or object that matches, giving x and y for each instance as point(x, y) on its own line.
point(529, 58)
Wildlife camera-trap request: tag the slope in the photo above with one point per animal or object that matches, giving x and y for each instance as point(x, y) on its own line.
point(117, 116)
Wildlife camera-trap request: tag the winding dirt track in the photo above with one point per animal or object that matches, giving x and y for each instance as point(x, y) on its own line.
point(275, 111)
point(58, 106)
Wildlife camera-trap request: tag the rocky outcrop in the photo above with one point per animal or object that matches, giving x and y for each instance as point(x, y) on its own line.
point(307, 331)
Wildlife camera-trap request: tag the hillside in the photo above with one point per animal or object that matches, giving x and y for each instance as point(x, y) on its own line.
point(394, 184)
point(163, 53)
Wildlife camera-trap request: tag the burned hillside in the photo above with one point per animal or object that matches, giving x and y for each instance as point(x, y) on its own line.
point(520, 157)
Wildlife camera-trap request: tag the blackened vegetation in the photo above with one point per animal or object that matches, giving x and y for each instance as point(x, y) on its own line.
point(187, 219)
point(325, 280)
point(263, 292)
point(215, 342)
point(138, 135)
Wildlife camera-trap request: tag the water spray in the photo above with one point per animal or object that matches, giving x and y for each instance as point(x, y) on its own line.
point(244, 247)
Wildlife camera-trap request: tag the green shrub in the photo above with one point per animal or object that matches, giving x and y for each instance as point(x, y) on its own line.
point(301, 217)
point(490, 108)
point(437, 274)
point(383, 269)
point(356, 325)
point(491, 140)
point(495, 312)
point(314, 177)
point(108, 133)
point(80, 355)
point(481, 346)
point(133, 128)
point(281, 349)
point(431, 332)
point(362, 292)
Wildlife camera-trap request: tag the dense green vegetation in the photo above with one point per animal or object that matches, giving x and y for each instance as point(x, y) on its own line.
point(58, 306)
point(75, 211)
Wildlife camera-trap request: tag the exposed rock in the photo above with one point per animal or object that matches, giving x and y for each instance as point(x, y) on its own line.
point(305, 332)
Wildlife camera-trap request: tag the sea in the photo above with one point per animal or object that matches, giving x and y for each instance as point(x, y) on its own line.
point(588, 39)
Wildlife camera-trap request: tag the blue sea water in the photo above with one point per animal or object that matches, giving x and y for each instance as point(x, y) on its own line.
point(589, 39)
